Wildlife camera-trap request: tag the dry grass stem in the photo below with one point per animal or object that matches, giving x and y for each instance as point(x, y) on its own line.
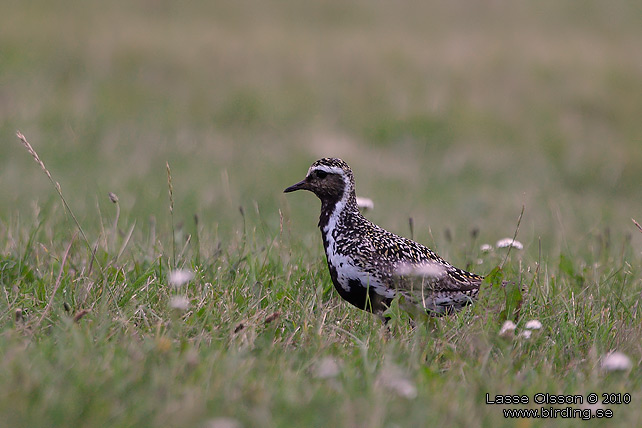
point(171, 211)
point(34, 154)
point(114, 233)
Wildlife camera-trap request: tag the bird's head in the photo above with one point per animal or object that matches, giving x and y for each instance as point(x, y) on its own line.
point(329, 178)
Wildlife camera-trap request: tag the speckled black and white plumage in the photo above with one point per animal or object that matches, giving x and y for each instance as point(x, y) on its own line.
point(369, 266)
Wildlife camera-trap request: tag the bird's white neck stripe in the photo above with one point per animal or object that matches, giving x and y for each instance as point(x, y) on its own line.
point(340, 205)
point(334, 217)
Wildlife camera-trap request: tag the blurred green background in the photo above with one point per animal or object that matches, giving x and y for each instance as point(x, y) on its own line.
point(455, 114)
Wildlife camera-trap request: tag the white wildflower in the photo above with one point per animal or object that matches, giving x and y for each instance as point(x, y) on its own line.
point(222, 422)
point(392, 378)
point(526, 334)
point(509, 242)
point(507, 328)
point(424, 270)
point(486, 248)
point(592, 407)
point(180, 303)
point(365, 203)
point(326, 368)
point(615, 361)
point(180, 277)
point(533, 325)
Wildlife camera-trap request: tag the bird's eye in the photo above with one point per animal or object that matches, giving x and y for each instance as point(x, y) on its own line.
point(322, 174)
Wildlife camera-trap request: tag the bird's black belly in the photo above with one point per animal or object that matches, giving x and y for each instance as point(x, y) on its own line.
point(359, 295)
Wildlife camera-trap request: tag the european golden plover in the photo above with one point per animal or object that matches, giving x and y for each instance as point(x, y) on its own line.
point(369, 266)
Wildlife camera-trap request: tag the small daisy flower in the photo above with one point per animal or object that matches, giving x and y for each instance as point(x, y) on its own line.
point(180, 303)
point(509, 242)
point(396, 381)
point(180, 277)
point(486, 248)
point(222, 422)
point(365, 203)
point(326, 368)
point(526, 334)
point(422, 270)
point(616, 361)
point(507, 328)
point(533, 325)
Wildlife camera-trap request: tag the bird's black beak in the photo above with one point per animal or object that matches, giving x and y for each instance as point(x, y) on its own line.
point(301, 185)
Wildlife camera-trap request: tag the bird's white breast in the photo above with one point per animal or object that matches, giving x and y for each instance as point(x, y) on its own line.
point(344, 264)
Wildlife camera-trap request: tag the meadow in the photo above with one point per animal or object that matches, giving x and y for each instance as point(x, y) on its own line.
point(171, 282)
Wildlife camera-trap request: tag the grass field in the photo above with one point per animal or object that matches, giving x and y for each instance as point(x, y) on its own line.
point(454, 115)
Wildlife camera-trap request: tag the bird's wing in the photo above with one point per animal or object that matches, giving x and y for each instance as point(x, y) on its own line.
point(436, 287)
point(396, 249)
point(416, 272)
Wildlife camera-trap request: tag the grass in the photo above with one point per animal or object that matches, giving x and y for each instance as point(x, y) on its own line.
point(262, 320)
point(454, 117)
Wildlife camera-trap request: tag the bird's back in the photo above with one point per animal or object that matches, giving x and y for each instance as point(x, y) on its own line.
point(393, 265)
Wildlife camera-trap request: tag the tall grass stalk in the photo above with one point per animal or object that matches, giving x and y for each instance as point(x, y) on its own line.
point(170, 189)
point(56, 185)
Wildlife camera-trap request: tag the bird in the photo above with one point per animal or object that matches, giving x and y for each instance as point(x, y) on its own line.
point(370, 266)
